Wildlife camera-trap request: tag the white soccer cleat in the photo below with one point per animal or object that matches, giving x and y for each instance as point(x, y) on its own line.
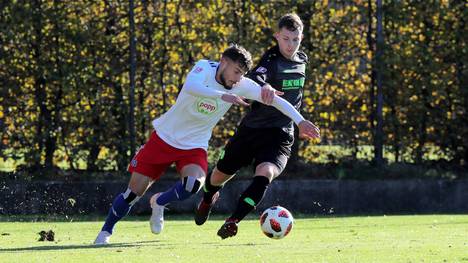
point(102, 238)
point(157, 215)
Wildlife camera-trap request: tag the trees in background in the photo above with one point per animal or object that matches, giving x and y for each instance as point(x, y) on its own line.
point(65, 83)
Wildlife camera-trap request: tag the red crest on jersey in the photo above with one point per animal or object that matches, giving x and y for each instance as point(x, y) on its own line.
point(198, 70)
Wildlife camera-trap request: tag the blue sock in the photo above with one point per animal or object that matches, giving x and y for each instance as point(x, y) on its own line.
point(176, 192)
point(119, 209)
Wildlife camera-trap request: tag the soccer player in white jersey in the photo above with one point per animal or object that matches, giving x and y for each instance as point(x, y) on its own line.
point(181, 135)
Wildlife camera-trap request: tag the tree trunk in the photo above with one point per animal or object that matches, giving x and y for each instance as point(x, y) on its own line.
point(378, 140)
point(131, 118)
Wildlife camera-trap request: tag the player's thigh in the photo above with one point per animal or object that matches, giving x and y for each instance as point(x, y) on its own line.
point(151, 160)
point(139, 183)
point(238, 152)
point(272, 157)
point(193, 163)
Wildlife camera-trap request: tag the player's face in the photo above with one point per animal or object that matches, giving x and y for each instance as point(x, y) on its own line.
point(230, 72)
point(288, 41)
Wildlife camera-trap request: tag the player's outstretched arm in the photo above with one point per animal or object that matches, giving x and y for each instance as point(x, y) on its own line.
point(252, 90)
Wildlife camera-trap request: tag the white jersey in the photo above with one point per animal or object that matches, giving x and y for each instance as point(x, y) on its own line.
point(189, 123)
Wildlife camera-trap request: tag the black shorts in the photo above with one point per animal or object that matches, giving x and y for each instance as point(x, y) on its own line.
point(256, 145)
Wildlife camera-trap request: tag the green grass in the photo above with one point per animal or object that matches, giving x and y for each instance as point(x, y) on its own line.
point(430, 238)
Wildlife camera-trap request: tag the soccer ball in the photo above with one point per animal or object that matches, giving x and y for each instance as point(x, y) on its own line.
point(276, 222)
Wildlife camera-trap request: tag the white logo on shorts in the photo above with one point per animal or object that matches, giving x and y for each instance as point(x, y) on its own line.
point(261, 70)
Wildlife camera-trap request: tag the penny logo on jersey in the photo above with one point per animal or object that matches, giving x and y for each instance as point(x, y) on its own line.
point(207, 106)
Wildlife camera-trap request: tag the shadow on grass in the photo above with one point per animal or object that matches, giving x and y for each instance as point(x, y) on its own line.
point(218, 244)
point(90, 246)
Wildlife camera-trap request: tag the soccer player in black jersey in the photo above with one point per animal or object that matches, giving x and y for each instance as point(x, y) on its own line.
point(265, 136)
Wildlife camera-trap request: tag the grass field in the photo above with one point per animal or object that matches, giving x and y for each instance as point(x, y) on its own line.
point(428, 238)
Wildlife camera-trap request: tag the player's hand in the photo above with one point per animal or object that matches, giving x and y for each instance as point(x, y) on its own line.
point(268, 94)
point(308, 130)
point(234, 99)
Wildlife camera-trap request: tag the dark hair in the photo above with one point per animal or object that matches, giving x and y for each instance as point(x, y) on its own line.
point(291, 22)
point(240, 55)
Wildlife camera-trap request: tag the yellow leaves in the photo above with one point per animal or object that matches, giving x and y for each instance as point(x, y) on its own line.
point(329, 75)
point(366, 79)
point(103, 152)
point(352, 69)
point(413, 98)
point(30, 102)
point(191, 35)
point(328, 116)
point(364, 108)
point(450, 115)
point(174, 56)
point(326, 101)
point(324, 115)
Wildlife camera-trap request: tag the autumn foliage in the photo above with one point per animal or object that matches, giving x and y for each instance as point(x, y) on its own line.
point(64, 74)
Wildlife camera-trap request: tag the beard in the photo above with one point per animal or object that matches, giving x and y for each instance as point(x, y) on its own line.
point(223, 81)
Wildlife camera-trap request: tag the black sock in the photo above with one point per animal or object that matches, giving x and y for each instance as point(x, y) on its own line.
point(209, 190)
point(251, 197)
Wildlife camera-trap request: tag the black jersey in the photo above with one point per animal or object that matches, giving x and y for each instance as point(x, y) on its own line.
point(284, 75)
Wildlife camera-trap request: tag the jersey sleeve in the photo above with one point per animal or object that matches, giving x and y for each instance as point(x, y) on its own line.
point(194, 83)
point(252, 91)
point(262, 72)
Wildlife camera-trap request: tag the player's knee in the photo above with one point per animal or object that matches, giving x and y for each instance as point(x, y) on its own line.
point(130, 197)
point(267, 170)
point(193, 184)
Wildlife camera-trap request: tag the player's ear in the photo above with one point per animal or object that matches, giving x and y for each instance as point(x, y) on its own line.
point(276, 35)
point(223, 62)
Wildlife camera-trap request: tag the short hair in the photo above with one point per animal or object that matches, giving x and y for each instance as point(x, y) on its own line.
point(291, 22)
point(240, 55)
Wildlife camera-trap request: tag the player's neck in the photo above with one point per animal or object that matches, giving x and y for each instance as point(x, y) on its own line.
point(286, 56)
